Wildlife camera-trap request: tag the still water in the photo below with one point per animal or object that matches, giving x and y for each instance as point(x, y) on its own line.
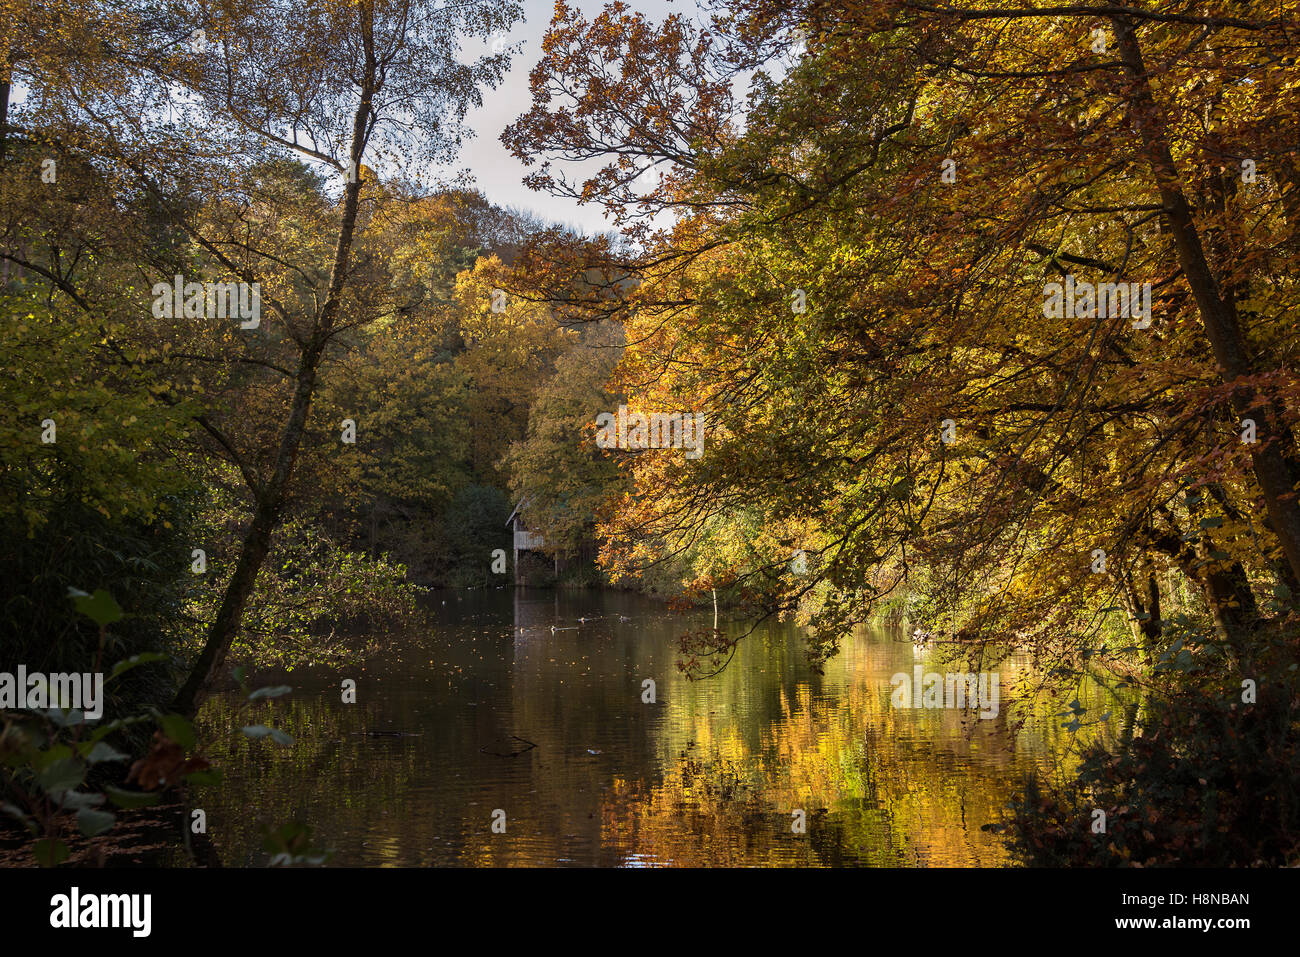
point(708, 775)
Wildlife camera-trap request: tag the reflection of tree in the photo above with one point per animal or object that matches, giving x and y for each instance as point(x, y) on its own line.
point(708, 775)
point(880, 786)
point(328, 778)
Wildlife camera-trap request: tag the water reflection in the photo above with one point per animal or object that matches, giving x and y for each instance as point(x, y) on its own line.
point(710, 774)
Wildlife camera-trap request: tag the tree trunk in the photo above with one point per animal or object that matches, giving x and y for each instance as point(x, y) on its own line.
point(4, 118)
point(1274, 461)
point(1154, 625)
point(1140, 593)
point(257, 542)
point(1225, 587)
point(270, 496)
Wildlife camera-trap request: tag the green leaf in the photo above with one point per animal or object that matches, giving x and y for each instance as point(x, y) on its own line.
point(13, 810)
point(270, 692)
point(76, 800)
point(99, 607)
point(50, 852)
point(212, 776)
point(94, 823)
point(262, 731)
point(104, 730)
point(131, 799)
point(65, 719)
point(144, 658)
point(179, 728)
point(56, 752)
point(99, 751)
point(61, 775)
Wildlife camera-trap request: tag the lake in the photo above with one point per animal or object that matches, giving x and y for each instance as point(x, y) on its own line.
point(710, 774)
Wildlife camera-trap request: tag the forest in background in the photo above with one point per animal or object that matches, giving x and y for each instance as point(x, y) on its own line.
point(833, 228)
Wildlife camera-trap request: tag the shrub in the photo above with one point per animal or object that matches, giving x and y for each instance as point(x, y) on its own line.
point(1209, 782)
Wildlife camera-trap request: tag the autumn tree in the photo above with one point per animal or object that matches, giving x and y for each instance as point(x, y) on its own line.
point(557, 468)
point(849, 272)
point(185, 105)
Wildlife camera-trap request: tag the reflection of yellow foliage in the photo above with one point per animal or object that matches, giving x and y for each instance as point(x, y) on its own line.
point(710, 779)
point(879, 786)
